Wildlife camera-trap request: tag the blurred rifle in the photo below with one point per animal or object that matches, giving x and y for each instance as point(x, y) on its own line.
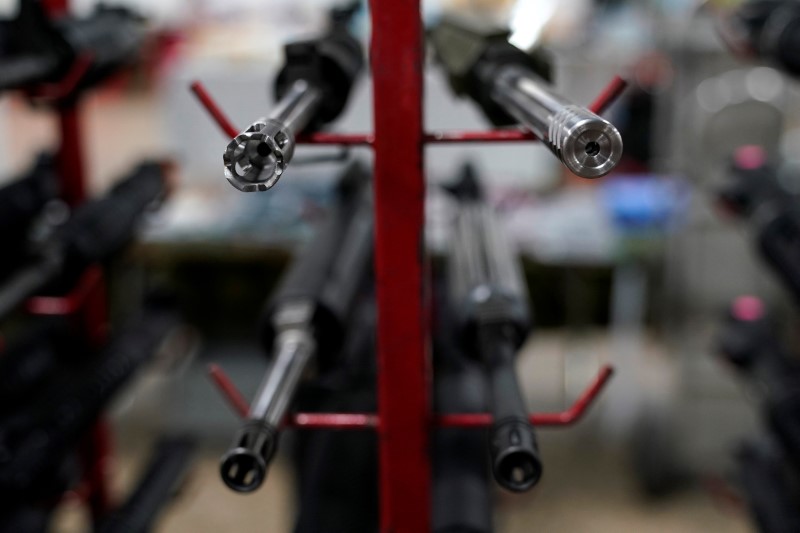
point(36, 48)
point(35, 440)
point(98, 229)
point(753, 192)
point(770, 467)
point(21, 204)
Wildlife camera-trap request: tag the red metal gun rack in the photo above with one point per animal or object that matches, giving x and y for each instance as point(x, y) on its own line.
point(86, 303)
point(404, 419)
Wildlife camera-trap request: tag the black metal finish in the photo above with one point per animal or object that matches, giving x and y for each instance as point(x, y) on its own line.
point(35, 440)
point(492, 320)
point(769, 29)
point(471, 54)
point(337, 471)
point(29, 360)
point(331, 63)
point(330, 269)
point(462, 501)
point(21, 204)
point(768, 485)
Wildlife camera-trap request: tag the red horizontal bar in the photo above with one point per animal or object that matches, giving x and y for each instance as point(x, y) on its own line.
point(607, 97)
point(368, 420)
point(301, 420)
point(332, 421)
point(69, 303)
point(501, 135)
point(228, 389)
point(342, 139)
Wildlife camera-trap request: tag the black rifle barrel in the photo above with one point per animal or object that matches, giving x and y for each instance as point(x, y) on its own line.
point(309, 312)
point(461, 485)
point(764, 479)
point(488, 295)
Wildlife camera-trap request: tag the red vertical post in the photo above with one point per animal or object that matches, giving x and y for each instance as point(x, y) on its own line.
point(96, 454)
point(403, 366)
point(96, 450)
point(69, 158)
point(55, 8)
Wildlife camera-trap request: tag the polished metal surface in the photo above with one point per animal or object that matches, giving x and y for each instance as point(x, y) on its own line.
point(482, 260)
point(587, 144)
point(244, 466)
point(256, 158)
point(294, 346)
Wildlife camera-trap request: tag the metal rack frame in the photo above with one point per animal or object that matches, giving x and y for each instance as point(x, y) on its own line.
point(404, 419)
point(86, 303)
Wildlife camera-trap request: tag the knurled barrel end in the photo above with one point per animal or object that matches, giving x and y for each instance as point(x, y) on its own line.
point(515, 455)
point(587, 144)
point(244, 467)
point(256, 158)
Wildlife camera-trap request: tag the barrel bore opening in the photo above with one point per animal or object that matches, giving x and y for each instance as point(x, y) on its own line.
point(263, 149)
point(242, 472)
point(518, 471)
point(592, 148)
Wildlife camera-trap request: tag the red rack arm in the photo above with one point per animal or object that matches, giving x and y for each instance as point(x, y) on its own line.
point(238, 403)
point(609, 95)
point(96, 455)
point(213, 109)
point(229, 391)
point(490, 136)
point(86, 303)
point(332, 421)
point(341, 139)
point(564, 418)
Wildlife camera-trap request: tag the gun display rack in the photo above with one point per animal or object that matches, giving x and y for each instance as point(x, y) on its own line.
point(404, 420)
point(85, 304)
